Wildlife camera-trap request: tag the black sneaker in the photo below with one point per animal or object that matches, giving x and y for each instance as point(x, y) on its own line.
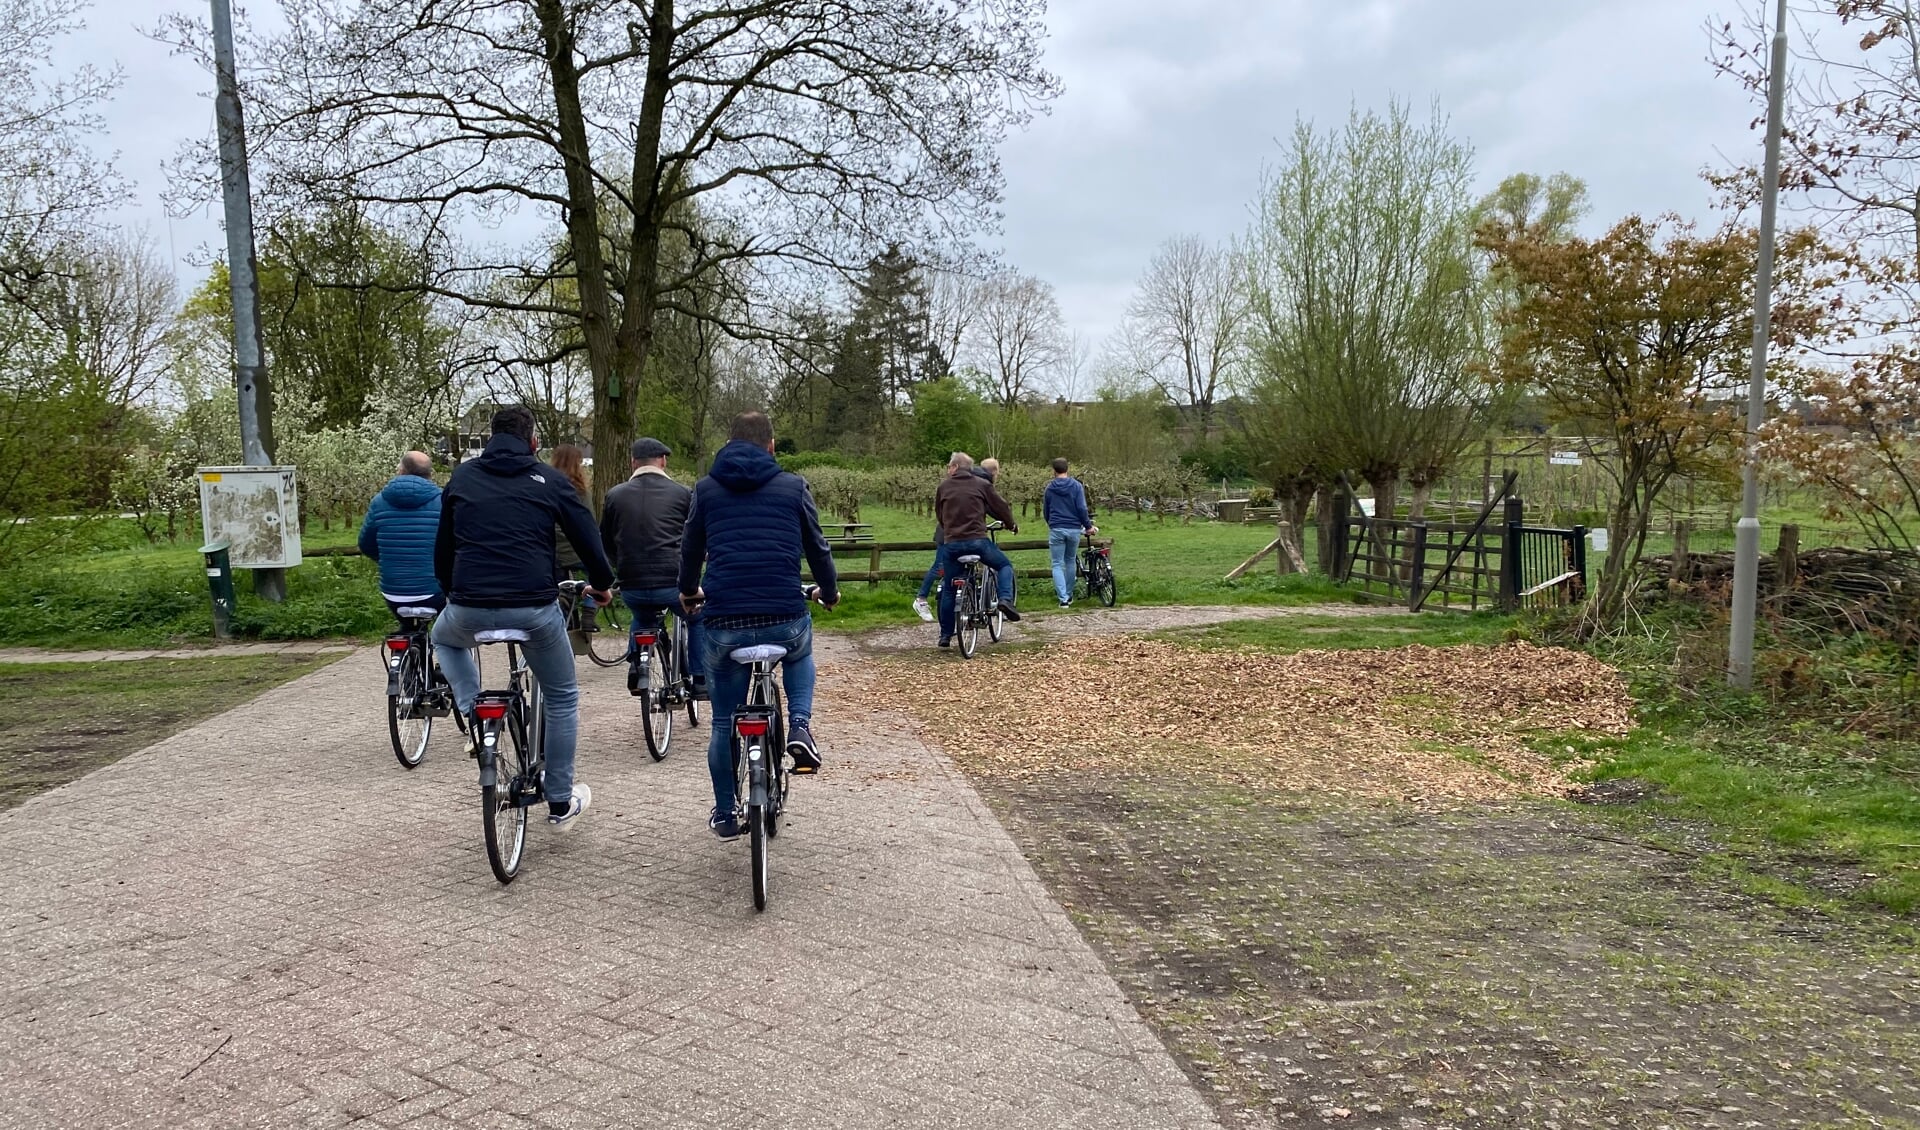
point(700, 690)
point(1012, 616)
point(800, 747)
point(726, 827)
point(946, 641)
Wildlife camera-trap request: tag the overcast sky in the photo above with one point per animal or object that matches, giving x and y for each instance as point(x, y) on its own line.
point(1171, 110)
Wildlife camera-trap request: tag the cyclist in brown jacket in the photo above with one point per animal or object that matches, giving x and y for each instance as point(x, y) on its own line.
point(962, 505)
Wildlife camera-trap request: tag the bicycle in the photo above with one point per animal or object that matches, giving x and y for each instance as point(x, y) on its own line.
point(1096, 573)
point(603, 630)
point(976, 600)
point(511, 747)
point(760, 777)
point(658, 671)
point(416, 691)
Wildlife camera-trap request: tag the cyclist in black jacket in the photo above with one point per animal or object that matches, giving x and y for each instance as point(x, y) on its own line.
point(494, 556)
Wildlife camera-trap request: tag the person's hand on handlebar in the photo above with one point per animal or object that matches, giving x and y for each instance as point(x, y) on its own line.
point(691, 604)
point(818, 595)
point(601, 597)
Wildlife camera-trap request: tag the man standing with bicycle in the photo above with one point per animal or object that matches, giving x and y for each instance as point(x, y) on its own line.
point(495, 558)
point(1068, 518)
point(962, 505)
point(751, 523)
point(641, 525)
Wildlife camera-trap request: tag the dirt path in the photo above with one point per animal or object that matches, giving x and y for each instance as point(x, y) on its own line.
point(1342, 955)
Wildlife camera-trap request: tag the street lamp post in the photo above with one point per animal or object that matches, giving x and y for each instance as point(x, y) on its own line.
point(250, 370)
point(1746, 538)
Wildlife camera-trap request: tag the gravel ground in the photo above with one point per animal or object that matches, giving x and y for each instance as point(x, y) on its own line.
point(1348, 945)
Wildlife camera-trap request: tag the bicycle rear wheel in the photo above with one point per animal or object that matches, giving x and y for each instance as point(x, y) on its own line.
point(777, 767)
point(657, 721)
point(608, 645)
point(964, 607)
point(408, 723)
point(1103, 574)
point(505, 817)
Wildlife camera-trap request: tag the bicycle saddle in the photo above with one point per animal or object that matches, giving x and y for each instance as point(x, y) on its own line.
point(970, 559)
point(501, 635)
point(416, 612)
point(759, 653)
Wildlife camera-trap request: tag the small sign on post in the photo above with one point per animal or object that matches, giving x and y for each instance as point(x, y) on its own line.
point(1564, 459)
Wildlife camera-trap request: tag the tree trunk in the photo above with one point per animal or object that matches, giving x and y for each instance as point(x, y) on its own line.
point(612, 400)
point(1323, 510)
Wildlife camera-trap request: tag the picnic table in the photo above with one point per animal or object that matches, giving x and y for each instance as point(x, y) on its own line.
point(848, 531)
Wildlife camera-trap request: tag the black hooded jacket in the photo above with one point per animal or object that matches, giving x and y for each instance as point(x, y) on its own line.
point(495, 547)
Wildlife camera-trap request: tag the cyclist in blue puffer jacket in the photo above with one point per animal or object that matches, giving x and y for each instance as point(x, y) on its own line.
point(399, 531)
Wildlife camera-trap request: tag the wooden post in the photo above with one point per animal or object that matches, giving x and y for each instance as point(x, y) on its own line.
point(1340, 566)
point(873, 568)
point(1417, 576)
point(1682, 559)
point(1283, 561)
point(1510, 571)
point(1787, 558)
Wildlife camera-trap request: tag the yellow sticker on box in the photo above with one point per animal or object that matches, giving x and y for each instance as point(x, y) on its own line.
point(210, 477)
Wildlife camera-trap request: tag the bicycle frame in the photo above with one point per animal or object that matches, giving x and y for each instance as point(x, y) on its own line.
point(756, 728)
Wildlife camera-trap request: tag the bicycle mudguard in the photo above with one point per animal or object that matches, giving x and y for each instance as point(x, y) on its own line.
point(489, 773)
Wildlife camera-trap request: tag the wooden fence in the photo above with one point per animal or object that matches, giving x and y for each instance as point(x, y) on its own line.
point(871, 550)
point(1495, 561)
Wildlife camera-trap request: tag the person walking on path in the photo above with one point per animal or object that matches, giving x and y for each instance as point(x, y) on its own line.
point(641, 525)
point(750, 524)
point(962, 505)
point(495, 557)
point(1068, 517)
point(399, 531)
point(989, 469)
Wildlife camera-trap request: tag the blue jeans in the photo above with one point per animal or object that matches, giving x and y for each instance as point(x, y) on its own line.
point(727, 687)
point(549, 654)
point(950, 555)
point(1063, 545)
point(933, 575)
point(647, 604)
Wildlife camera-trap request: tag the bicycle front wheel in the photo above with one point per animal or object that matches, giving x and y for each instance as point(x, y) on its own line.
point(608, 645)
point(1103, 576)
point(408, 722)
point(504, 816)
point(658, 719)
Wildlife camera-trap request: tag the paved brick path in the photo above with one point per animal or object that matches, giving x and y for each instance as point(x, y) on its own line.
point(221, 651)
point(264, 921)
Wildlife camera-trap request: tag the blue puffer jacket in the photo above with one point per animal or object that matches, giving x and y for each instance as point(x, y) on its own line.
point(751, 523)
point(399, 533)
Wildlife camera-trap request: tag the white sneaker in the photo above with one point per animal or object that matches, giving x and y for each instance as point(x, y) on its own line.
point(921, 607)
point(582, 798)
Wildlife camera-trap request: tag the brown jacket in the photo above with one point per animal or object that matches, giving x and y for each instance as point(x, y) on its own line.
point(962, 505)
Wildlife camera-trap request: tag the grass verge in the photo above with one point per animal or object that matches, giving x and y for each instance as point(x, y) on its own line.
point(60, 721)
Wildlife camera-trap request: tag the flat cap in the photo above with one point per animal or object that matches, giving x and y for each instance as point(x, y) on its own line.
point(649, 448)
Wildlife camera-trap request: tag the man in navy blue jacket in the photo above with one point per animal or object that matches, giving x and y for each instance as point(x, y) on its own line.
point(402, 523)
point(495, 558)
point(1068, 518)
point(751, 523)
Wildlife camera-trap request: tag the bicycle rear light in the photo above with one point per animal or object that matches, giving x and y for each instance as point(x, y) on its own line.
point(644, 639)
point(491, 711)
point(398, 643)
point(751, 727)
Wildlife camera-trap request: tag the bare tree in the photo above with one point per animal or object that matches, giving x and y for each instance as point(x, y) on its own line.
point(810, 132)
point(112, 306)
point(1021, 340)
point(51, 183)
point(1190, 318)
point(953, 306)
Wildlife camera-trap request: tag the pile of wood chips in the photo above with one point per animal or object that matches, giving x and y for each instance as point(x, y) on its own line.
point(1415, 723)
